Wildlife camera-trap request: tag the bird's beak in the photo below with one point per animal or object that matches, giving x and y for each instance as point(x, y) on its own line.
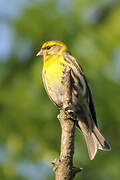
point(40, 53)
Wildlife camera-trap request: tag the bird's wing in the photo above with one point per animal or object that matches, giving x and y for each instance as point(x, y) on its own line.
point(91, 103)
point(79, 69)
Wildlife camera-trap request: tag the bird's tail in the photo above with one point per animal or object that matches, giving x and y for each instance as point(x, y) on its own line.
point(95, 141)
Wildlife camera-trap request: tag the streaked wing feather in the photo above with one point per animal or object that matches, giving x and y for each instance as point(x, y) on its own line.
point(91, 104)
point(71, 59)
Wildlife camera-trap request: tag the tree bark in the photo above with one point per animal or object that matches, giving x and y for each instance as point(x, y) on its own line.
point(63, 167)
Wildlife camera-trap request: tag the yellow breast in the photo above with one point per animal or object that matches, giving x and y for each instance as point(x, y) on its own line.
point(53, 69)
point(52, 77)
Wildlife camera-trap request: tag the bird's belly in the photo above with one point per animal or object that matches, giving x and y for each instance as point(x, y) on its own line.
point(53, 84)
point(56, 93)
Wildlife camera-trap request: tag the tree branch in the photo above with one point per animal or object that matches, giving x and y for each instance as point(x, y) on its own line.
point(63, 167)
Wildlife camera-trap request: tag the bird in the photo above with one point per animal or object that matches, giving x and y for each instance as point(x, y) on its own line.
point(56, 61)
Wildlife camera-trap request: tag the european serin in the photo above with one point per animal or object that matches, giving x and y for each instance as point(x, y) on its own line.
point(57, 60)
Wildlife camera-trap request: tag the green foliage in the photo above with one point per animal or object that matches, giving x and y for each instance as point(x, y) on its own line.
point(29, 130)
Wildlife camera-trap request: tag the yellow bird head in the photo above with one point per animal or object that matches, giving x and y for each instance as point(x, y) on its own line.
point(51, 48)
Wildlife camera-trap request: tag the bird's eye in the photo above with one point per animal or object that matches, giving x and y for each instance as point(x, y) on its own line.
point(48, 47)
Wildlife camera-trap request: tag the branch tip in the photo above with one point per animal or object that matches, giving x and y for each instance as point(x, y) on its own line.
point(76, 170)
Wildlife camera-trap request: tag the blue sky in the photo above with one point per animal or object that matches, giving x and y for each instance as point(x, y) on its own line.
point(9, 10)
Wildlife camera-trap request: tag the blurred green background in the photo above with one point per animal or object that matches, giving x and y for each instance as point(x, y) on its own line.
point(29, 129)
